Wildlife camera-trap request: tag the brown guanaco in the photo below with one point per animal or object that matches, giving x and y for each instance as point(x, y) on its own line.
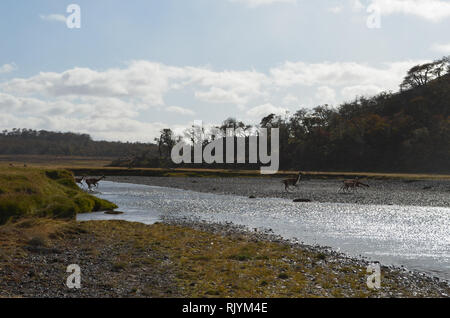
point(352, 184)
point(93, 182)
point(294, 182)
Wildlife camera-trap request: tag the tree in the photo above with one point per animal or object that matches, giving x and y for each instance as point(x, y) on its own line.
point(421, 75)
point(165, 142)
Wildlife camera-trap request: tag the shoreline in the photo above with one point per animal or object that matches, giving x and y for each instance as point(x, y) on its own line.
point(188, 259)
point(193, 184)
point(231, 229)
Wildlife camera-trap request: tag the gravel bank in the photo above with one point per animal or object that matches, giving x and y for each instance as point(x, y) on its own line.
point(397, 281)
point(35, 254)
point(123, 259)
point(384, 192)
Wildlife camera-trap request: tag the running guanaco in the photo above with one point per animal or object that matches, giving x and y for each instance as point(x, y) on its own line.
point(93, 182)
point(352, 184)
point(294, 182)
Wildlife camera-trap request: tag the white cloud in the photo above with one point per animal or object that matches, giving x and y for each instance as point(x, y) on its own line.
point(125, 129)
point(97, 102)
point(237, 87)
point(264, 110)
point(257, 3)
point(92, 107)
point(8, 68)
point(9, 121)
point(180, 110)
point(441, 48)
point(340, 74)
point(144, 84)
point(144, 80)
point(20, 104)
point(351, 92)
point(83, 95)
point(326, 95)
point(100, 120)
point(432, 10)
point(53, 17)
point(291, 100)
point(336, 9)
point(356, 5)
point(220, 95)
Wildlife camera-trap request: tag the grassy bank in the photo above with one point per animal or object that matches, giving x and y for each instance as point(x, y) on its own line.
point(219, 173)
point(55, 162)
point(37, 192)
point(101, 166)
point(121, 259)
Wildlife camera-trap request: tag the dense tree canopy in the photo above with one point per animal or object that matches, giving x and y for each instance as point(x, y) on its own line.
point(405, 131)
point(32, 142)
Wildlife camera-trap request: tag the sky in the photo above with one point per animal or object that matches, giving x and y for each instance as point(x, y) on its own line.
point(136, 67)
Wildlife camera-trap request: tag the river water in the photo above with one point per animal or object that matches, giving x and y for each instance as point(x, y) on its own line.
point(415, 237)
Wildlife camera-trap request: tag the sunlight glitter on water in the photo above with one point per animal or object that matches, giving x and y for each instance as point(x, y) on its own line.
point(416, 237)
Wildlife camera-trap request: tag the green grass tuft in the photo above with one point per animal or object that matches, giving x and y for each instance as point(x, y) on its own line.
point(44, 193)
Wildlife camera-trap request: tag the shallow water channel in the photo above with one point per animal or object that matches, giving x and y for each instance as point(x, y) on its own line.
point(413, 236)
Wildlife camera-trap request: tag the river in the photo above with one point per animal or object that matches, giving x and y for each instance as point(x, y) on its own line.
point(413, 236)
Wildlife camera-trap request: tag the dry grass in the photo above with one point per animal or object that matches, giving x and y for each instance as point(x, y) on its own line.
point(100, 166)
point(209, 265)
point(32, 232)
point(172, 261)
point(46, 161)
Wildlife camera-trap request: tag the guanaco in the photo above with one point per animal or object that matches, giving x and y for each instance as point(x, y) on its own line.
point(79, 180)
point(292, 182)
point(93, 182)
point(352, 184)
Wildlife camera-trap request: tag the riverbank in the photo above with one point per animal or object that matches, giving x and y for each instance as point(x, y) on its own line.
point(122, 259)
point(176, 259)
point(33, 192)
point(416, 192)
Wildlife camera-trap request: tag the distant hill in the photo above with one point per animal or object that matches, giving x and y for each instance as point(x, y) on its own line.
point(406, 131)
point(32, 142)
